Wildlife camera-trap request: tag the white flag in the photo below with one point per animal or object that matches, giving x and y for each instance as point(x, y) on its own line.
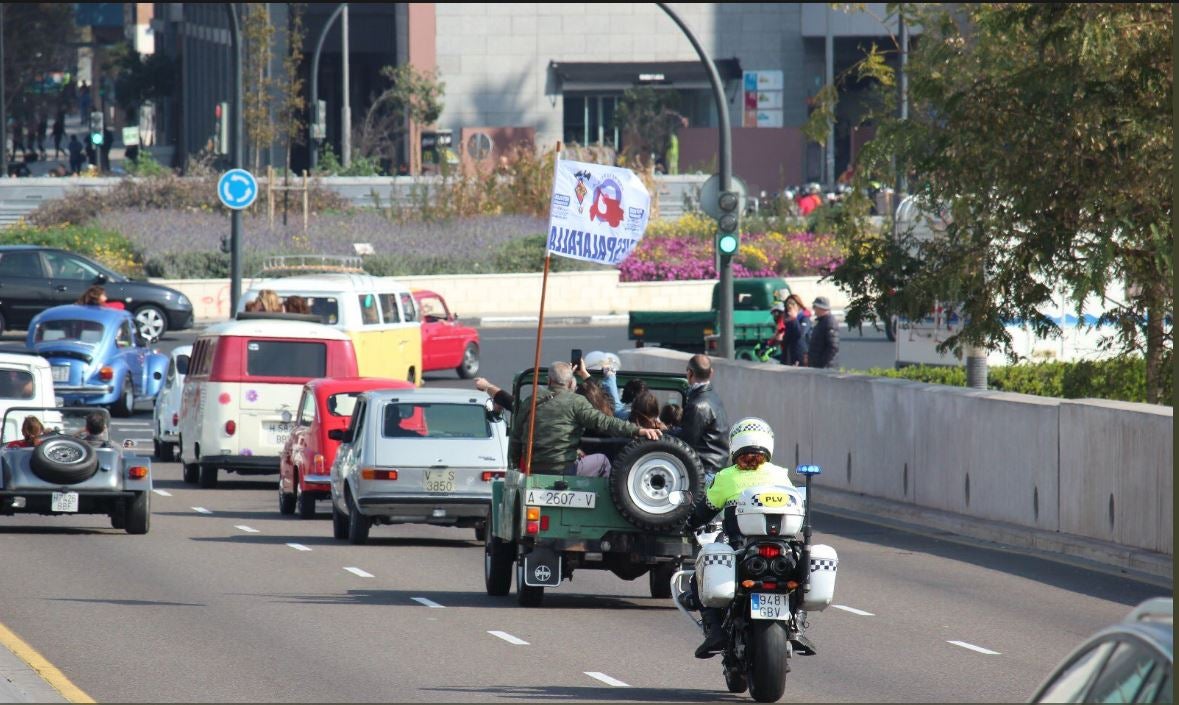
point(598, 213)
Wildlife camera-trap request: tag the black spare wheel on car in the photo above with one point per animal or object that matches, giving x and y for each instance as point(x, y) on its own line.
point(644, 476)
point(64, 460)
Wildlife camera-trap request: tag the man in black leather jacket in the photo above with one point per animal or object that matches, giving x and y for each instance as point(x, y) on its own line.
point(705, 424)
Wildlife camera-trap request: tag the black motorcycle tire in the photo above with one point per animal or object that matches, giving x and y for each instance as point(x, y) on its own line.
point(63, 460)
point(623, 486)
point(768, 665)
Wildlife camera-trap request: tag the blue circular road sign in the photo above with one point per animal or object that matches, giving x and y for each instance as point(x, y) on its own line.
point(237, 189)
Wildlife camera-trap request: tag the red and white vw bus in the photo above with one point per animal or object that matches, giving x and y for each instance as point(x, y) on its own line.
point(242, 393)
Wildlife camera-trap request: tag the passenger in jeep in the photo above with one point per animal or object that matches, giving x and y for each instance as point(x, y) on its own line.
point(31, 430)
point(562, 416)
point(95, 433)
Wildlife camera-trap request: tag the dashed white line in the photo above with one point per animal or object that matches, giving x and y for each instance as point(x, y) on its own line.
point(853, 610)
point(427, 602)
point(298, 547)
point(201, 510)
point(972, 647)
point(358, 571)
point(606, 679)
point(247, 529)
point(163, 493)
point(509, 638)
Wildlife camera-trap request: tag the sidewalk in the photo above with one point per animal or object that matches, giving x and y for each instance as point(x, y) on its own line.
point(73, 126)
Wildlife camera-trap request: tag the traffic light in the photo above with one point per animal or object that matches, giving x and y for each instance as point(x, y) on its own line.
point(96, 127)
point(728, 237)
point(221, 128)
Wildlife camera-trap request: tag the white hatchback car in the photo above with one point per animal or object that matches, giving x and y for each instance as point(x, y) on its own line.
point(422, 456)
point(166, 415)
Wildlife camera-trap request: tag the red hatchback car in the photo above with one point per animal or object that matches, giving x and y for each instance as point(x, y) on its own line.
point(446, 343)
point(306, 461)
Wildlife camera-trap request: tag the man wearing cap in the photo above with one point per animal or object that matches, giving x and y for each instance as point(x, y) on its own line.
point(824, 346)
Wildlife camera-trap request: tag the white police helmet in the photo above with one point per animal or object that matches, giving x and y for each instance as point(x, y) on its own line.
point(751, 435)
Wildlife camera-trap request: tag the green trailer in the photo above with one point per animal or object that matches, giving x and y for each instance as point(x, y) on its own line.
point(543, 527)
point(691, 331)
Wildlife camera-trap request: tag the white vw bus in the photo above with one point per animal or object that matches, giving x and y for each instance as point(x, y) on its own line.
point(242, 392)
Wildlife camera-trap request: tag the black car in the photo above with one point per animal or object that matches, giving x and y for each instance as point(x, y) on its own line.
point(34, 278)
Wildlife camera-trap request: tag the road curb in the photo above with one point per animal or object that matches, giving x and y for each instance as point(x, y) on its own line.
point(19, 683)
point(1092, 554)
point(509, 321)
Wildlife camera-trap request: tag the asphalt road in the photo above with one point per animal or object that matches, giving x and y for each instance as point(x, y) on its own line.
point(227, 600)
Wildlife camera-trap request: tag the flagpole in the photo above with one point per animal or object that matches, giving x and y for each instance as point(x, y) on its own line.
point(544, 285)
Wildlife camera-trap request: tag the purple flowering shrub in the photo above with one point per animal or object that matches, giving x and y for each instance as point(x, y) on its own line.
point(684, 256)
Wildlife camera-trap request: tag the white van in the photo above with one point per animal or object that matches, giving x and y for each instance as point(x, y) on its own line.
point(242, 392)
point(166, 413)
point(25, 380)
point(378, 313)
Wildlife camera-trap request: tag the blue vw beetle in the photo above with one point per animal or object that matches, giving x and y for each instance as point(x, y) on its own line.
point(97, 357)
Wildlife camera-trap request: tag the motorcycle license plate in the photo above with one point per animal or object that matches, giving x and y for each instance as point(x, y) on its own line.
point(63, 502)
point(765, 605)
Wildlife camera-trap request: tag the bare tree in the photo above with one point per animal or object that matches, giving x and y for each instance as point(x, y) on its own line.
point(413, 96)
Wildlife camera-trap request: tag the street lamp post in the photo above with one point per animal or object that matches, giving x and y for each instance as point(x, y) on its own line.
point(725, 317)
point(235, 218)
point(314, 153)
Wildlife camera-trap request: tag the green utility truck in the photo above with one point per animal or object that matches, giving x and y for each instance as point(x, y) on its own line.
point(544, 526)
point(689, 330)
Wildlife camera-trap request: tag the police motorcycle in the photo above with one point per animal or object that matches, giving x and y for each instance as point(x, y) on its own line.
point(758, 565)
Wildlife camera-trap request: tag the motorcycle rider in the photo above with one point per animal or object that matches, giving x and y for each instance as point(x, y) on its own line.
point(751, 441)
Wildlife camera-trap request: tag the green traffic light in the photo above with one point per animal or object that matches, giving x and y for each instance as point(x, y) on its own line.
point(728, 243)
point(96, 138)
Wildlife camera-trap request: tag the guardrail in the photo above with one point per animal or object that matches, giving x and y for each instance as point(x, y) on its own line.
point(1090, 478)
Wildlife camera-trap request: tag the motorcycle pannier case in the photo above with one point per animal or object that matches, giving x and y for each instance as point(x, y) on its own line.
point(716, 574)
point(824, 562)
point(770, 511)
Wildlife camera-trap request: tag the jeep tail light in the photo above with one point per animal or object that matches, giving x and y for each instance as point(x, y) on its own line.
point(106, 374)
point(376, 474)
point(137, 472)
point(175, 419)
point(489, 475)
point(230, 427)
point(544, 523)
point(534, 514)
point(769, 550)
point(319, 463)
point(533, 527)
point(535, 521)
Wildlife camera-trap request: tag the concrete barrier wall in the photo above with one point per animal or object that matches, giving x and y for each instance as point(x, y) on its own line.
point(1042, 463)
point(597, 292)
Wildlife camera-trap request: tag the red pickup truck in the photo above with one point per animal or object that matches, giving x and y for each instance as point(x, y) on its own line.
point(446, 343)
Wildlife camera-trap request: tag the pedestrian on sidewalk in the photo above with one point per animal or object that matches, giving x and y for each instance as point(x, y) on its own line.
point(58, 133)
point(76, 158)
point(42, 132)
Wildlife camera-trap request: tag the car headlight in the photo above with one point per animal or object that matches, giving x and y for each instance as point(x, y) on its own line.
point(183, 302)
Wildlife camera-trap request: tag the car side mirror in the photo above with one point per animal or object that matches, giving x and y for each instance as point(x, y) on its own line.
point(679, 498)
point(100, 279)
point(340, 434)
point(453, 316)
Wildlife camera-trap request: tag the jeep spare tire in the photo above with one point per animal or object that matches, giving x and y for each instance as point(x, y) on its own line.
point(63, 460)
point(644, 476)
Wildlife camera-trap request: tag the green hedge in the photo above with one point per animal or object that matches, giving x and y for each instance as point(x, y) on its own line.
point(1120, 378)
point(106, 246)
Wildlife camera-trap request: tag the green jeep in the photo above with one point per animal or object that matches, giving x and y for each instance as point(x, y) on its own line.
point(545, 526)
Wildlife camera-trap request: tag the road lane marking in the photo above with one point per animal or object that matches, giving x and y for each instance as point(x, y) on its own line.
point(972, 647)
point(509, 638)
point(247, 529)
point(853, 610)
point(201, 510)
point(606, 679)
point(358, 571)
point(427, 602)
point(298, 547)
point(163, 493)
point(48, 672)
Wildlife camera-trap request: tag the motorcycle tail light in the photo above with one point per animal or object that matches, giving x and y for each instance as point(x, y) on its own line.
point(769, 550)
point(319, 463)
point(534, 514)
point(137, 472)
point(489, 475)
point(375, 474)
point(533, 527)
point(106, 374)
point(231, 427)
point(769, 585)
